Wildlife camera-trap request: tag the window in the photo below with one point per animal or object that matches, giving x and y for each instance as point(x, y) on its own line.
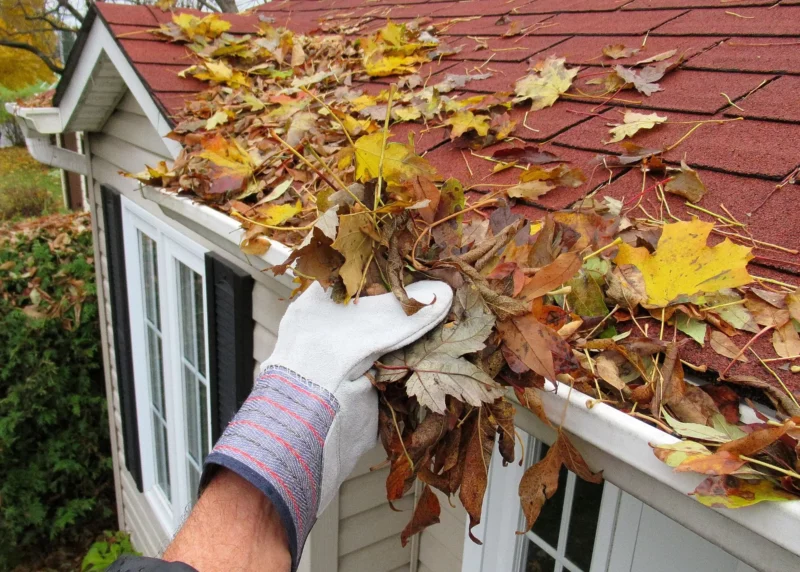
point(572, 534)
point(166, 298)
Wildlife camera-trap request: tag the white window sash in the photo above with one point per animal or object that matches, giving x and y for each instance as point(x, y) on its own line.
point(172, 247)
point(505, 551)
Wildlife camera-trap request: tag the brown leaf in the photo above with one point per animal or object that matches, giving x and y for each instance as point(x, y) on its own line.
point(756, 441)
point(686, 184)
point(778, 396)
point(726, 400)
point(476, 467)
point(724, 346)
point(529, 340)
point(529, 397)
point(425, 514)
point(765, 313)
point(503, 413)
point(539, 483)
point(526, 155)
point(400, 478)
point(619, 51)
point(626, 286)
point(552, 276)
point(573, 460)
point(786, 341)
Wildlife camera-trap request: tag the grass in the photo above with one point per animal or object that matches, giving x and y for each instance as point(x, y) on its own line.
point(27, 186)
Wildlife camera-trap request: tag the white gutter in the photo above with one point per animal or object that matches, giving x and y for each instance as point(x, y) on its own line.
point(216, 227)
point(763, 535)
point(38, 124)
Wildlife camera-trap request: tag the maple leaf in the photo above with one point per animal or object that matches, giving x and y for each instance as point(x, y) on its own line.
point(619, 51)
point(435, 362)
point(544, 86)
point(686, 184)
point(356, 247)
point(644, 80)
point(400, 163)
point(467, 121)
point(632, 122)
point(560, 176)
point(682, 264)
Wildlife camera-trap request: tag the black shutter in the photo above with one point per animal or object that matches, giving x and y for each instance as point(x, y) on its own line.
point(229, 293)
point(117, 280)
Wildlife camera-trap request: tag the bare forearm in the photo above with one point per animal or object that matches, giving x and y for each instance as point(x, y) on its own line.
point(233, 527)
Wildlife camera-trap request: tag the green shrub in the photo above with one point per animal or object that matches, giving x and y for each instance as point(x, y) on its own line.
point(25, 203)
point(56, 484)
point(104, 552)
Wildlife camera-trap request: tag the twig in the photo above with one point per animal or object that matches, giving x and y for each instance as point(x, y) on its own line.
point(773, 467)
point(325, 105)
point(612, 244)
point(725, 95)
point(744, 349)
point(776, 376)
point(696, 127)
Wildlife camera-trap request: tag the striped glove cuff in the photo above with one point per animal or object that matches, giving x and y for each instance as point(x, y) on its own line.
point(275, 442)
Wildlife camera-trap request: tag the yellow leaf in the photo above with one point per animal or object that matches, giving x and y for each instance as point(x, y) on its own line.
point(378, 65)
point(276, 215)
point(400, 163)
point(356, 248)
point(467, 121)
point(543, 87)
point(530, 190)
point(682, 264)
point(210, 26)
point(407, 113)
point(219, 118)
point(632, 122)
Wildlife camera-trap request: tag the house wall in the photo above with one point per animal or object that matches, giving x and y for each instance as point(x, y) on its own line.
point(364, 532)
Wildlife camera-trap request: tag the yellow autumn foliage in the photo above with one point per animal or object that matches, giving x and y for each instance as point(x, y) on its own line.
point(19, 68)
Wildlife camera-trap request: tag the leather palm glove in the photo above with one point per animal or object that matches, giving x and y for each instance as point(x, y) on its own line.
point(313, 412)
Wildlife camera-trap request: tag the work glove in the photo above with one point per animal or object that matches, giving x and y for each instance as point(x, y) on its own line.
point(313, 412)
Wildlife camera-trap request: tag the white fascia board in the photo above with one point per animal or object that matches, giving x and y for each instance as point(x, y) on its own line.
point(623, 443)
point(101, 41)
point(216, 227)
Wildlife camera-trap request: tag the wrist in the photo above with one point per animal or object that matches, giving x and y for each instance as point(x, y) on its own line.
point(275, 443)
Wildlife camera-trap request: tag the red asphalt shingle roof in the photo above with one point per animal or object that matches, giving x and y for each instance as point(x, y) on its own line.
point(745, 51)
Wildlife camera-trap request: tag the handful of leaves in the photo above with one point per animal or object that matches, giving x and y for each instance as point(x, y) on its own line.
point(592, 297)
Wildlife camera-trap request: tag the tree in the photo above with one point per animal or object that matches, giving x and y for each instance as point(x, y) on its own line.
point(28, 48)
point(30, 29)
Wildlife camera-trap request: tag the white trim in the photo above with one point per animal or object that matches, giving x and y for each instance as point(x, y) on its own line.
point(99, 42)
point(172, 248)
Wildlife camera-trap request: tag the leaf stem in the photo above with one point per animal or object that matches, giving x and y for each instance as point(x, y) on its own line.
point(400, 435)
point(696, 127)
point(744, 349)
point(615, 242)
point(776, 376)
point(377, 199)
point(786, 472)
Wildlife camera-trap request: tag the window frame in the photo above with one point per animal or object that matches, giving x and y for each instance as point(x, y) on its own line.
point(172, 248)
point(502, 549)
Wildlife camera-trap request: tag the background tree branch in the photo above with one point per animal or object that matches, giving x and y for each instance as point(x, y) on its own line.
point(49, 62)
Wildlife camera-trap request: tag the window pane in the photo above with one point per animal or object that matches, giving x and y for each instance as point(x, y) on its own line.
point(538, 560)
point(192, 421)
point(188, 334)
point(162, 466)
point(149, 263)
point(204, 427)
point(200, 324)
point(156, 371)
point(583, 522)
point(549, 522)
point(194, 482)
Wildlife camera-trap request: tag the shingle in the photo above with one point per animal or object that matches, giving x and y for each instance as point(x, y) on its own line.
point(499, 49)
point(661, 4)
point(751, 55)
point(157, 52)
point(778, 100)
point(486, 25)
point(160, 77)
point(588, 50)
point(747, 147)
point(682, 90)
point(559, 6)
point(608, 23)
point(130, 15)
point(778, 21)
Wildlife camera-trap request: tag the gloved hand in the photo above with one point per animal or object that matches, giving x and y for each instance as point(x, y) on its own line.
point(312, 412)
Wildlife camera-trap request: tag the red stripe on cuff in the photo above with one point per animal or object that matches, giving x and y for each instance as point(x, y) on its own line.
point(291, 449)
point(289, 412)
point(305, 391)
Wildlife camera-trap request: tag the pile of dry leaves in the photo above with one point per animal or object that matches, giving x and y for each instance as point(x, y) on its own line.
point(286, 142)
